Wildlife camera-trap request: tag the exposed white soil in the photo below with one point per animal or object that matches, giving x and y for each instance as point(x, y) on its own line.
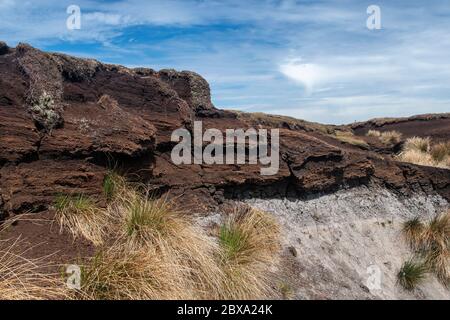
point(335, 245)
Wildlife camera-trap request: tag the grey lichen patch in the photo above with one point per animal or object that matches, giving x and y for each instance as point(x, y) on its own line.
point(46, 114)
point(190, 86)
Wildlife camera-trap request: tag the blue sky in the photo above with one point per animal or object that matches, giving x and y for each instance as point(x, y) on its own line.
point(314, 60)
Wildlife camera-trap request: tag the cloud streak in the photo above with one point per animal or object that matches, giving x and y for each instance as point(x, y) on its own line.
point(315, 60)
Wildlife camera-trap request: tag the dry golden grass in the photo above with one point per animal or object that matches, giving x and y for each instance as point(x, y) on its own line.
point(413, 232)
point(23, 279)
point(416, 157)
point(348, 137)
point(438, 260)
point(432, 242)
point(437, 233)
point(418, 144)
point(441, 152)
point(118, 273)
point(157, 223)
point(81, 217)
point(390, 138)
point(156, 251)
point(249, 242)
point(419, 151)
point(373, 133)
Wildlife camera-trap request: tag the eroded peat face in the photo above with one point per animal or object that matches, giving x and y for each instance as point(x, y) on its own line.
point(232, 147)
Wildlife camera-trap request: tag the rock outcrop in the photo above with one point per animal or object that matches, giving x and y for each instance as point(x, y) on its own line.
point(96, 115)
point(190, 86)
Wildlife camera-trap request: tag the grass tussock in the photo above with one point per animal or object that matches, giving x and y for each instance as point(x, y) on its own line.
point(390, 138)
point(79, 215)
point(157, 223)
point(432, 243)
point(373, 133)
point(412, 274)
point(417, 157)
point(441, 152)
point(418, 144)
point(120, 274)
point(420, 151)
point(23, 279)
point(248, 240)
point(156, 251)
point(112, 185)
point(413, 231)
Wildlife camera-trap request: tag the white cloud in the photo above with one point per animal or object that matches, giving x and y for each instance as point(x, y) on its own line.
point(308, 74)
point(106, 18)
point(250, 50)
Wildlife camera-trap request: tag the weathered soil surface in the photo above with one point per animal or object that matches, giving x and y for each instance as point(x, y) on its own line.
point(349, 244)
point(103, 116)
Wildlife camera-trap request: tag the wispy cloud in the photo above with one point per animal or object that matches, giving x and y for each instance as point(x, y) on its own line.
point(314, 60)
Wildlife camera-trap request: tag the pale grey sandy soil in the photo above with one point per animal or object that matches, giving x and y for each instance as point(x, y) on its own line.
point(336, 245)
point(347, 245)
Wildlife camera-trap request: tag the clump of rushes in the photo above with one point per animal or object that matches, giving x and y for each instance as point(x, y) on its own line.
point(413, 231)
point(249, 242)
point(412, 274)
point(81, 217)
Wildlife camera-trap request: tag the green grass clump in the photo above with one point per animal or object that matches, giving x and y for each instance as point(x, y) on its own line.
point(232, 240)
point(412, 274)
point(114, 185)
point(431, 242)
point(248, 241)
point(148, 219)
point(79, 202)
